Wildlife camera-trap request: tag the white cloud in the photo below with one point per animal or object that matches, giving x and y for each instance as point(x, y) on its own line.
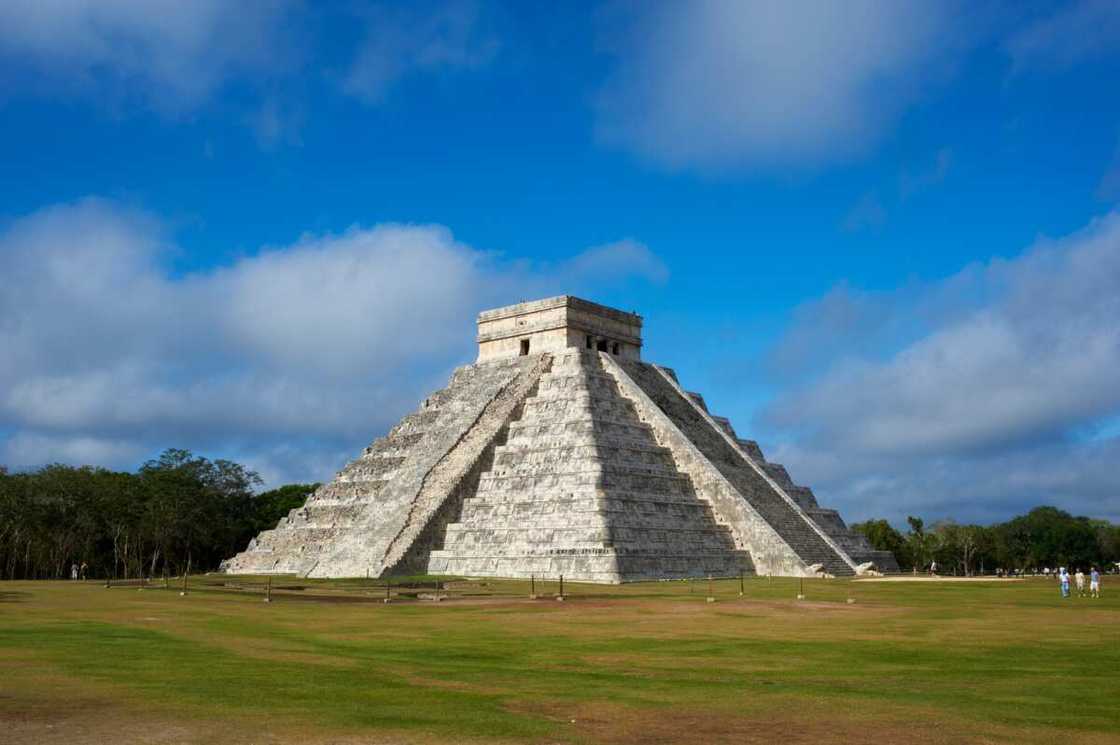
point(1077, 476)
point(726, 83)
point(171, 54)
point(978, 387)
point(1075, 32)
point(400, 42)
point(313, 348)
point(37, 448)
point(624, 258)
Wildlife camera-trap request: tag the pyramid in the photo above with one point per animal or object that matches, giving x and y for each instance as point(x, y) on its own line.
point(560, 452)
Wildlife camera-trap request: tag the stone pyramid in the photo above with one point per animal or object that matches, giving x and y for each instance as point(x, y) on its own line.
point(559, 452)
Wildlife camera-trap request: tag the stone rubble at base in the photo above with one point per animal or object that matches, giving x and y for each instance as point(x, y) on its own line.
point(559, 452)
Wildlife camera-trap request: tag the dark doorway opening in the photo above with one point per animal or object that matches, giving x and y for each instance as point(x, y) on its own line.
point(524, 347)
point(602, 345)
point(614, 348)
point(590, 342)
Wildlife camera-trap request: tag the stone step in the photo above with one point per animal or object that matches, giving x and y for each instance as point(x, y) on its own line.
point(524, 460)
point(418, 421)
point(752, 449)
point(605, 444)
point(581, 415)
point(393, 445)
point(565, 481)
point(359, 513)
point(681, 518)
point(325, 514)
point(598, 383)
point(522, 542)
point(779, 473)
point(595, 445)
point(311, 537)
point(588, 492)
point(519, 431)
point(349, 491)
point(549, 406)
point(783, 518)
point(612, 471)
point(370, 468)
point(531, 462)
point(804, 497)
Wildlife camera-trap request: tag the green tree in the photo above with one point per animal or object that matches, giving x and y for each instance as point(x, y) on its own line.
point(883, 537)
point(920, 544)
point(177, 508)
point(960, 547)
point(197, 510)
point(274, 504)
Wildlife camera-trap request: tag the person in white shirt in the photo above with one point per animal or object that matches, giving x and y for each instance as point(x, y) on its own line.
point(1079, 580)
point(1094, 583)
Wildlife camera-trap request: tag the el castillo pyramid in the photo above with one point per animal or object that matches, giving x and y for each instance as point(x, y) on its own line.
point(560, 452)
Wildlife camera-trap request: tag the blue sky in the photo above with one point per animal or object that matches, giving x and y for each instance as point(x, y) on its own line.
point(879, 236)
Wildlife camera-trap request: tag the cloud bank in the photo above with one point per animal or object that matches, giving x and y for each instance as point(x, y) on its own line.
point(292, 358)
point(975, 395)
point(176, 57)
point(399, 42)
point(171, 54)
point(719, 84)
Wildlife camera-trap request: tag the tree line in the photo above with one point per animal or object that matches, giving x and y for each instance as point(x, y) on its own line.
point(1045, 537)
point(180, 509)
point(175, 511)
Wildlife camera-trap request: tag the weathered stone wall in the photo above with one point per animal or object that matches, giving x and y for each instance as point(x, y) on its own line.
point(761, 493)
point(556, 324)
point(582, 489)
point(456, 475)
point(769, 552)
point(854, 544)
point(347, 526)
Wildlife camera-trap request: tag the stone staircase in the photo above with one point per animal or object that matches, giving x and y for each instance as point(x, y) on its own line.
point(581, 488)
point(347, 526)
point(793, 525)
point(851, 542)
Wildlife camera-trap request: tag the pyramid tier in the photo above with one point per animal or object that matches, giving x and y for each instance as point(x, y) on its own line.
point(853, 543)
point(718, 445)
point(581, 488)
point(347, 525)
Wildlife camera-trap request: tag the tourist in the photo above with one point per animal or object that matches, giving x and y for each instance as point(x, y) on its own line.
point(1079, 580)
point(73, 571)
point(1063, 581)
point(1095, 583)
point(83, 571)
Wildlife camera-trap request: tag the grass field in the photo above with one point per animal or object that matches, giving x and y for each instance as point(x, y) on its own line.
point(328, 662)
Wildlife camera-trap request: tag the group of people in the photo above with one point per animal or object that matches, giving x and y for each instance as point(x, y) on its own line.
point(1079, 582)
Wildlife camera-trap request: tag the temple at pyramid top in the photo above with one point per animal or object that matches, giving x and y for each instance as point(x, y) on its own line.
point(556, 324)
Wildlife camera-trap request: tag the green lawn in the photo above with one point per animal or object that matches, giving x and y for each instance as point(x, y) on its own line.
point(329, 662)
